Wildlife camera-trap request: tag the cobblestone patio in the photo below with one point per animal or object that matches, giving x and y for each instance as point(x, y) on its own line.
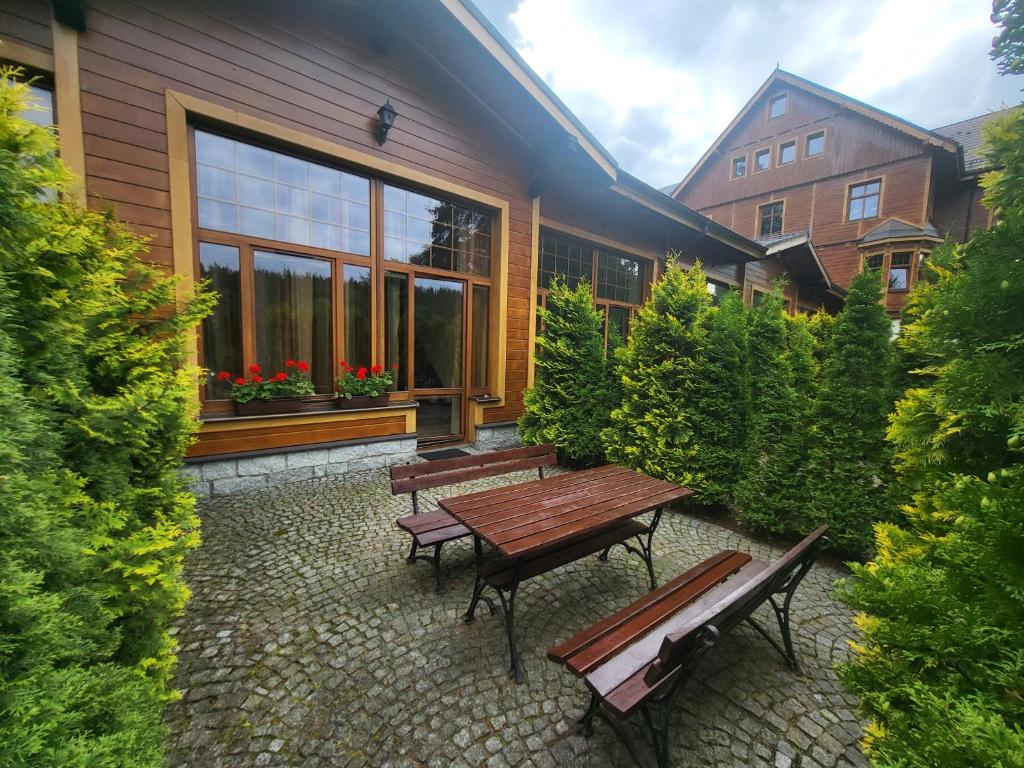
point(309, 641)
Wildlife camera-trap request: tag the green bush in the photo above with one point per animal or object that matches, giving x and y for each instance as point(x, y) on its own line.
point(653, 430)
point(575, 390)
point(768, 494)
point(721, 406)
point(940, 669)
point(96, 410)
point(847, 472)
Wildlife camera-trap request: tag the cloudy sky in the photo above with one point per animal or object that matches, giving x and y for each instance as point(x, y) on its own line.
point(657, 80)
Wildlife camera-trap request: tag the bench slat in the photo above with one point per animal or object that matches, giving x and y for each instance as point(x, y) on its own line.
point(561, 652)
point(634, 623)
point(421, 468)
point(424, 521)
point(448, 533)
point(499, 573)
point(476, 472)
point(643, 652)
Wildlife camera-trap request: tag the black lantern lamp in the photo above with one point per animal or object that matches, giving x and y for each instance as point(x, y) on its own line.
point(385, 119)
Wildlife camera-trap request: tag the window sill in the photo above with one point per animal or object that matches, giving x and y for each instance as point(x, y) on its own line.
point(222, 418)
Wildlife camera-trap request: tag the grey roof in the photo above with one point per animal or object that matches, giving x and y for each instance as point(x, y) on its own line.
point(968, 134)
point(894, 228)
point(669, 189)
point(769, 240)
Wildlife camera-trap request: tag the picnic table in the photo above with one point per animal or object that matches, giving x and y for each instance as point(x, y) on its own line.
point(535, 527)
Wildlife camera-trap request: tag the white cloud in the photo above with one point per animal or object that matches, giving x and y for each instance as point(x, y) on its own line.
point(657, 80)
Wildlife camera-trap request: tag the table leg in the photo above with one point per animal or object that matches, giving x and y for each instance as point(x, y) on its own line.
point(479, 584)
point(509, 609)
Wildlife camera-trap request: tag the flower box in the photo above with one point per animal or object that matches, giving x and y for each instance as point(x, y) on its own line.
point(361, 401)
point(273, 406)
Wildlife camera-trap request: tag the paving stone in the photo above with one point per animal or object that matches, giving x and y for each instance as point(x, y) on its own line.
point(309, 641)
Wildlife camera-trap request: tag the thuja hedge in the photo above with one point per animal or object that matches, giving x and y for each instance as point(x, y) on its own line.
point(95, 415)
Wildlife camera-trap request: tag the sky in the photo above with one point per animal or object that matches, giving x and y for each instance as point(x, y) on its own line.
point(656, 81)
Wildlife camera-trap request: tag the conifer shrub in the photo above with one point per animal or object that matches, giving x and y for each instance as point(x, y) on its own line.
point(767, 496)
point(847, 474)
point(940, 668)
point(654, 430)
point(722, 400)
point(575, 387)
point(96, 410)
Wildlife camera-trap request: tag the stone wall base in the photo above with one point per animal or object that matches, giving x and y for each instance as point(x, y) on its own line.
point(219, 477)
point(496, 437)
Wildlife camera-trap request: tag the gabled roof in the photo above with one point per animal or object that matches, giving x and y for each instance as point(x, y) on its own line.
point(897, 229)
point(969, 135)
point(800, 257)
point(859, 107)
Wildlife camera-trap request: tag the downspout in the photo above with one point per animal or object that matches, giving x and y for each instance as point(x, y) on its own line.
point(970, 208)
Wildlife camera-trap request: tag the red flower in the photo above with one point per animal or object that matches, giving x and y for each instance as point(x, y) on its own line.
point(349, 368)
point(361, 374)
point(281, 377)
point(342, 363)
point(254, 368)
point(257, 379)
point(376, 369)
point(289, 363)
point(302, 365)
point(239, 381)
point(223, 376)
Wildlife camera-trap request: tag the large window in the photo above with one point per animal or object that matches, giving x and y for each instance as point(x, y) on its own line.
point(260, 193)
point(301, 254)
point(620, 283)
point(770, 219)
point(863, 203)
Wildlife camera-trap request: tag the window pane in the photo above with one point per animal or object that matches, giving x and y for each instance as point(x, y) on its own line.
point(762, 160)
point(562, 256)
point(439, 416)
point(481, 326)
point(396, 327)
point(438, 333)
point(815, 144)
point(899, 279)
point(619, 278)
point(40, 100)
point(357, 316)
point(739, 167)
point(777, 107)
point(618, 318)
point(787, 153)
point(291, 193)
point(222, 330)
point(293, 314)
point(856, 209)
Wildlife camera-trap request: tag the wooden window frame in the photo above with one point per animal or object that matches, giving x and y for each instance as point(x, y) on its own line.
point(848, 198)
point(807, 142)
point(600, 304)
point(755, 169)
point(796, 152)
point(784, 98)
point(732, 167)
point(909, 266)
point(375, 262)
point(782, 218)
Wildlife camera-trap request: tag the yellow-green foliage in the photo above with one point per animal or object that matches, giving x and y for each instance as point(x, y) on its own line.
point(95, 415)
point(653, 430)
point(940, 669)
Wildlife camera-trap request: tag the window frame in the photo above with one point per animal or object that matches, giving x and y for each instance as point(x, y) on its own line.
point(850, 198)
point(782, 145)
point(904, 267)
point(378, 266)
point(732, 167)
point(781, 217)
point(602, 305)
point(784, 98)
point(762, 151)
point(823, 133)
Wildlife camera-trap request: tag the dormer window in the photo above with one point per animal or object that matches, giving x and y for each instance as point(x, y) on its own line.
point(777, 107)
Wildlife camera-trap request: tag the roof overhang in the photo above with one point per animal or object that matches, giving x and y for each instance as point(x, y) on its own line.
point(800, 257)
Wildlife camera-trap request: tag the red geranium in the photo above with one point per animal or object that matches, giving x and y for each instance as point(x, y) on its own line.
point(282, 376)
point(239, 381)
point(361, 374)
point(224, 375)
point(302, 365)
point(254, 368)
point(257, 378)
point(289, 363)
point(342, 363)
point(376, 369)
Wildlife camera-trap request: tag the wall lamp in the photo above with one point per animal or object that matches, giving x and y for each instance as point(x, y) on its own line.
point(385, 119)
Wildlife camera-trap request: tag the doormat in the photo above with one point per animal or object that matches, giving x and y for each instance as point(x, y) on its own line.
point(446, 453)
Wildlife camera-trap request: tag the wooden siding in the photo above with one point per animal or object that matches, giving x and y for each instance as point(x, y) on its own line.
point(27, 22)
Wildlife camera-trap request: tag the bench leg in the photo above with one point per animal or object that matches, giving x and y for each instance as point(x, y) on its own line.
point(412, 553)
point(603, 557)
point(586, 723)
point(437, 567)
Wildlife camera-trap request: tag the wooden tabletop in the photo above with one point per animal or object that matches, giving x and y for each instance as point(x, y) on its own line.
point(521, 519)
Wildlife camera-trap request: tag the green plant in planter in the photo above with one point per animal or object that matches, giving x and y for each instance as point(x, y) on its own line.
point(283, 385)
point(362, 382)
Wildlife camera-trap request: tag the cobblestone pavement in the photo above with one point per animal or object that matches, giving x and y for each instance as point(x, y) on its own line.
point(309, 641)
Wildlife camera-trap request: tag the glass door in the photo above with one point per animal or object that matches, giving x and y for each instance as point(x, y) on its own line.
point(439, 311)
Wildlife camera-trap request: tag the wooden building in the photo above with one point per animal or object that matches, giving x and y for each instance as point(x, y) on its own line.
point(803, 163)
point(246, 143)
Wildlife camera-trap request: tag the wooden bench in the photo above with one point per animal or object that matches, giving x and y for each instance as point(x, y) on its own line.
point(639, 658)
point(435, 527)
